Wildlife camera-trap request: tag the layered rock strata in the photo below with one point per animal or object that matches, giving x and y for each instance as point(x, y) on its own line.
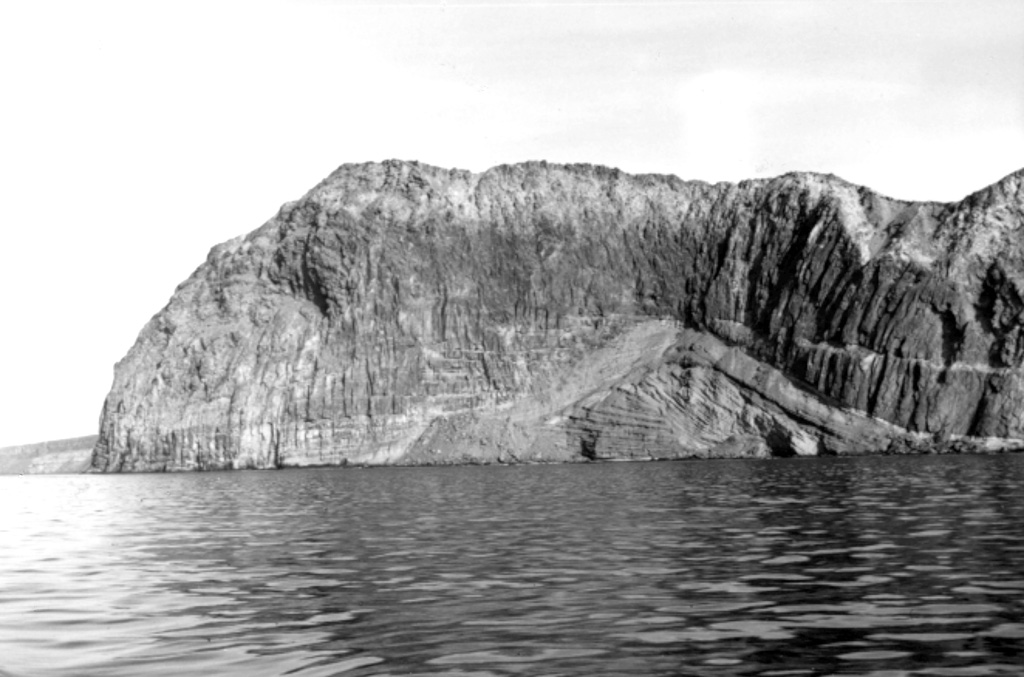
point(401, 313)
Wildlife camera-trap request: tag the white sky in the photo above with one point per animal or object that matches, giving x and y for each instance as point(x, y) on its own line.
point(136, 135)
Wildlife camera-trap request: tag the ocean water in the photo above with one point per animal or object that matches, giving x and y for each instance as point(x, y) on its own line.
point(859, 566)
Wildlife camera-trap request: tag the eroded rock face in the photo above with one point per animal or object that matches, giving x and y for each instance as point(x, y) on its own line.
point(401, 313)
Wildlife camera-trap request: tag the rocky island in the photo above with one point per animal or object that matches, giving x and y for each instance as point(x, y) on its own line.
point(404, 314)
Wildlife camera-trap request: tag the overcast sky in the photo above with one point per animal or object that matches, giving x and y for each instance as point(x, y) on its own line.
point(136, 135)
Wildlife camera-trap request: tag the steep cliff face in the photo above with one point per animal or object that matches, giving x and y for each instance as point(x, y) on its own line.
point(401, 313)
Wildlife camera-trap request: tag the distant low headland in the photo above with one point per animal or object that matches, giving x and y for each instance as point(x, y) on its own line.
point(72, 455)
point(400, 313)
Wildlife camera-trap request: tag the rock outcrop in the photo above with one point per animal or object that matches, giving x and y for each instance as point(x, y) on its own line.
point(72, 455)
point(401, 313)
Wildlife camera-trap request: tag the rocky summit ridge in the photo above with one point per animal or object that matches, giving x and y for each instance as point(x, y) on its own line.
point(405, 314)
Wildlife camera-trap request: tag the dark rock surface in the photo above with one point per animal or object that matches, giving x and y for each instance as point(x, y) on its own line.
point(401, 313)
point(72, 455)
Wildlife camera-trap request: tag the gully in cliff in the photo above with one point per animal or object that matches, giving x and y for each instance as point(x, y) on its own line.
point(404, 314)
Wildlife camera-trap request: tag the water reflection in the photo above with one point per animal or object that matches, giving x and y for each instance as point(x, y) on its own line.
point(855, 566)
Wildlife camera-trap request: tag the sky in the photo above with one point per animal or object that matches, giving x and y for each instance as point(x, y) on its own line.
point(134, 136)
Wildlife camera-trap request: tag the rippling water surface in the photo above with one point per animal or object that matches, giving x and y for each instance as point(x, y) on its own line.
point(875, 566)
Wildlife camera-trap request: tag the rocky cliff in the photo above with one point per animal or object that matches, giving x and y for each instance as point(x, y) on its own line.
point(401, 313)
